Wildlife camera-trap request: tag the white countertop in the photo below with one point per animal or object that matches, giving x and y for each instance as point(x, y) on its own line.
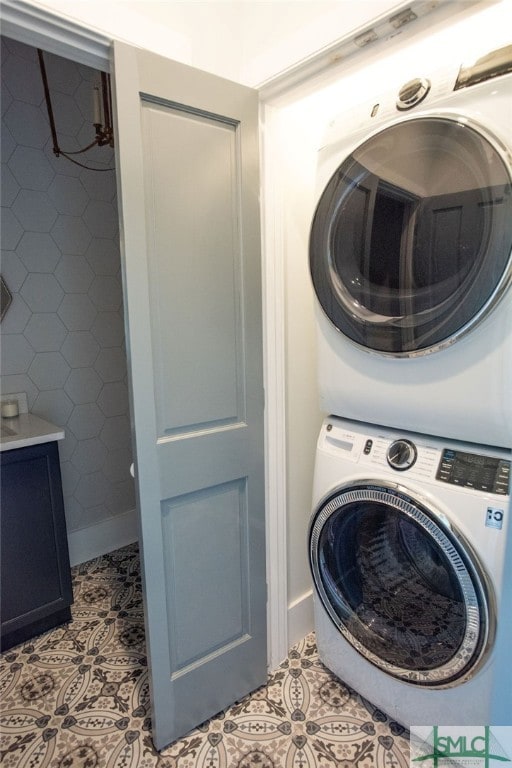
point(25, 430)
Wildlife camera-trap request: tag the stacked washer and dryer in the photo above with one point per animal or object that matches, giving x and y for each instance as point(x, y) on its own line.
point(410, 542)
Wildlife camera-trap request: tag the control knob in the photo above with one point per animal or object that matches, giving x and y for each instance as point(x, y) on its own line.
point(412, 93)
point(401, 454)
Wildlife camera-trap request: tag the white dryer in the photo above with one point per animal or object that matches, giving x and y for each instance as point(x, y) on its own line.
point(411, 257)
point(410, 547)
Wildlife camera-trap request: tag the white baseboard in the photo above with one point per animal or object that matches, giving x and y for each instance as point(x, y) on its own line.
point(300, 617)
point(88, 543)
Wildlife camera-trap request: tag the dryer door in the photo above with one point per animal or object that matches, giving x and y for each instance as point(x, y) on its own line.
point(411, 241)
point(400, 585)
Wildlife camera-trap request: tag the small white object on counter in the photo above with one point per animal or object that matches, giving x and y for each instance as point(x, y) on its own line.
point(25, 430)
point(9, 408)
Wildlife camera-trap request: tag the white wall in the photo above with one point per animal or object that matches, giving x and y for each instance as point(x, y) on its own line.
point(299, 128)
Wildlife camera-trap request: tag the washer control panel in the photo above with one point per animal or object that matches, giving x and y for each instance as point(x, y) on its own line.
point(471, 470)
point(420, 458)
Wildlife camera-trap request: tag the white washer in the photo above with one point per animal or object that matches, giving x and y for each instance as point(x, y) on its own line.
point(410, 547)
point(411, 257)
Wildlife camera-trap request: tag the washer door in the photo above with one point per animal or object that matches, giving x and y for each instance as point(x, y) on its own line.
point(411, 241)
point(400, 586)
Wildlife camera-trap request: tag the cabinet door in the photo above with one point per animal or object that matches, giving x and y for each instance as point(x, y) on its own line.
point(36, 579)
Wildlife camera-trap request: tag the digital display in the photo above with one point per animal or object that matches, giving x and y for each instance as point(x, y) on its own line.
point(471, 470)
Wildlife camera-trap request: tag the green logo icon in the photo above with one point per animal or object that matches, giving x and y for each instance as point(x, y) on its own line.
point(456, 747)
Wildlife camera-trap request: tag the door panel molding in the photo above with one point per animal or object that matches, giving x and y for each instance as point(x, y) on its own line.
point(197, 602)
point(209, 341)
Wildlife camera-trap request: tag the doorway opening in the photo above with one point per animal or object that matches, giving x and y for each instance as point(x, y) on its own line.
point(63, 335)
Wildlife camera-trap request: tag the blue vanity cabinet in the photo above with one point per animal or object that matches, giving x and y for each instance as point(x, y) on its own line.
point(36, 592)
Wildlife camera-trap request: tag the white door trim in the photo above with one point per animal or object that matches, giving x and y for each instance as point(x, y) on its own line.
point(42, 28)
point(39, 27)
point(274, 334)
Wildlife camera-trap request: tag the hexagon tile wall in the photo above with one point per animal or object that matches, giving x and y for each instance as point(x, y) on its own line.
point(63, 336)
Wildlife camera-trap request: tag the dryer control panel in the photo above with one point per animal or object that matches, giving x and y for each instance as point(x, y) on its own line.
point(471, 470)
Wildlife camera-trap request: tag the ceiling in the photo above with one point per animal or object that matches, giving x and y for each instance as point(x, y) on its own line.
point(246, 40)
point(253, 29)
point(255, 42)
point(266, 21)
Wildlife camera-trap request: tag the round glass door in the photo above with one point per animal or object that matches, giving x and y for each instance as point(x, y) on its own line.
point(411, 241)
point(399, 585)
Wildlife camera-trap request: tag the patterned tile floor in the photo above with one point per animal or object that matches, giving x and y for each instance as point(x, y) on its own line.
point(77, 697)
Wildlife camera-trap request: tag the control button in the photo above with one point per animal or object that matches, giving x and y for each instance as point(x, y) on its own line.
point(368, 447)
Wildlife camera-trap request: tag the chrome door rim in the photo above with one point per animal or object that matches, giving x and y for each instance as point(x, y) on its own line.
point(478, 596)
point(505, 281)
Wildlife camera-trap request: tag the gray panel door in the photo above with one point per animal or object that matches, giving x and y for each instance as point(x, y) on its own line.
point(187, 146)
